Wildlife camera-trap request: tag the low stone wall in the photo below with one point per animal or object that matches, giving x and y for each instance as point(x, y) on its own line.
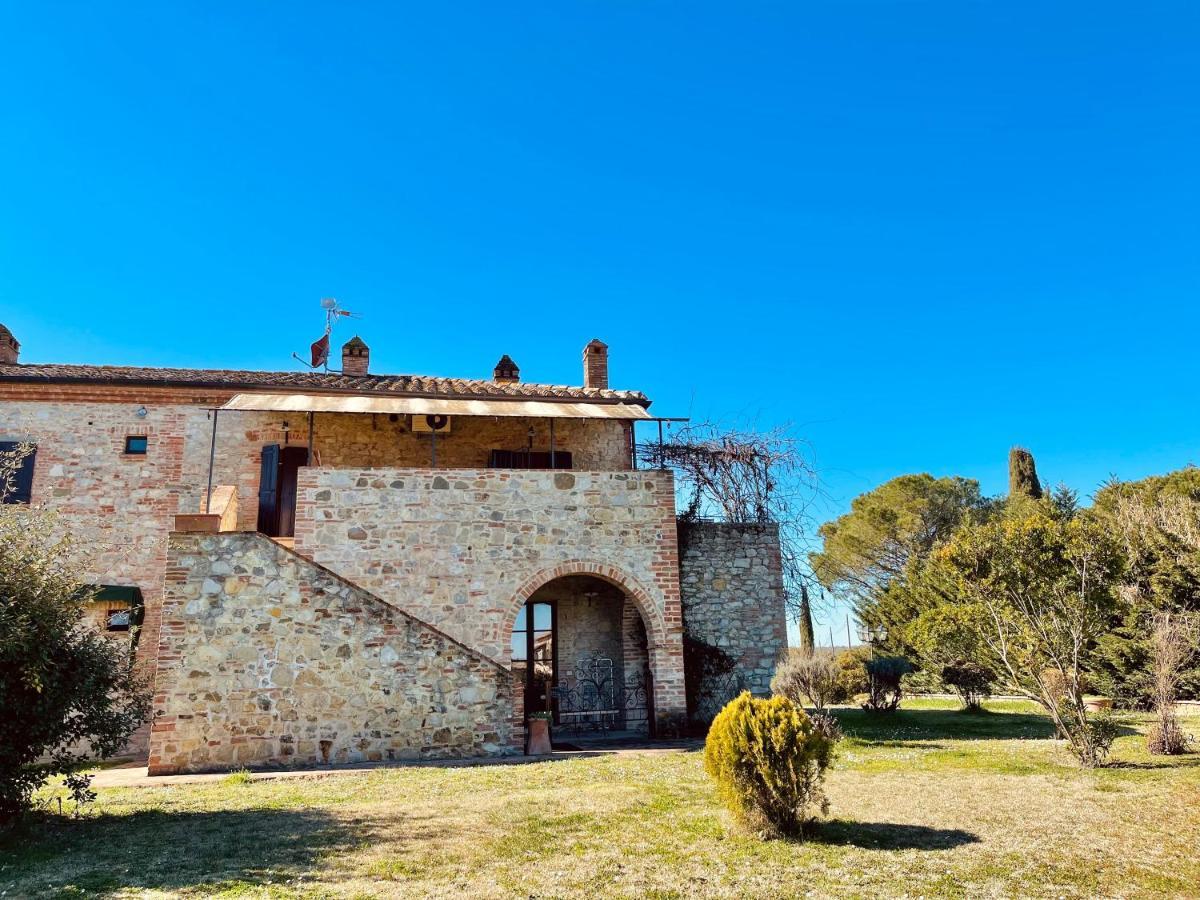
point(266, 659)
point(731, 585)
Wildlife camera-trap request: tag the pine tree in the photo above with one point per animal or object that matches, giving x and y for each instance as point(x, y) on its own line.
point(1022, 474)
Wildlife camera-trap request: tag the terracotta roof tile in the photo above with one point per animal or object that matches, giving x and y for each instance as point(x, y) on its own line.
point(238, 379)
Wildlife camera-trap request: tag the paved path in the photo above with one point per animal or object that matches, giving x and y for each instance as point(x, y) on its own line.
point(135, 774)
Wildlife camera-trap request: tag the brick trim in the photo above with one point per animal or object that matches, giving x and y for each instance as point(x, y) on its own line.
point(624, 582)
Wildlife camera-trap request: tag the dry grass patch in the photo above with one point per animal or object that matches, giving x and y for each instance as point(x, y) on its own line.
point(927, 803)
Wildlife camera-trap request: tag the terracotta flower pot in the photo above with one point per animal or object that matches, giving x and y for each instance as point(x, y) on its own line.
point(1097, 704)
point(538, 731)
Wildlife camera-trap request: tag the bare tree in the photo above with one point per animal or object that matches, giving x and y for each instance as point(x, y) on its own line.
point(1173, 642)
point(811, 676)
point(750, 476)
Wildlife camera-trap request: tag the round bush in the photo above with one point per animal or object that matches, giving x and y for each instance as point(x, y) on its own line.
point(768, 760)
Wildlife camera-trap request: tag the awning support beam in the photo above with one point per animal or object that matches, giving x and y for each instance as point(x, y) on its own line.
point(212, 458)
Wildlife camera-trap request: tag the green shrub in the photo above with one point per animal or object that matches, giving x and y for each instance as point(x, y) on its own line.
point(852, 674)
point(1103, 730)
point(68, 694)
point(768, 760)
point(883, 677)
point(971, 681)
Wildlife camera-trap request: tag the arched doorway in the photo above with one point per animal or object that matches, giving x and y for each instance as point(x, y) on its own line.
point(580, 652)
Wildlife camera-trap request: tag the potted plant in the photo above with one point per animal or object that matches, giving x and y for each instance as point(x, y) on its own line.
point(537, 732)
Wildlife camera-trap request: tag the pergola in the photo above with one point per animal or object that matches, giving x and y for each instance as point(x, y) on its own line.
point(434, 408)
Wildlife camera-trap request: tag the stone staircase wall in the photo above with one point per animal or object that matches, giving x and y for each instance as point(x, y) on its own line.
point(266, 658)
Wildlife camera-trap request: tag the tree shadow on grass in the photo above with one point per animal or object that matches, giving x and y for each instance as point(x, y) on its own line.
point(174, 851)
point(942, 724)
point(1179, 761)
point(889, 836)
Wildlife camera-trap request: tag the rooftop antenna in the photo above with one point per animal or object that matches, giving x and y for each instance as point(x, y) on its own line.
point(320, 347)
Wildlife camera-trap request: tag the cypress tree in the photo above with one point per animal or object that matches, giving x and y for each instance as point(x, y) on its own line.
point(1022, 474)
point(807, 640)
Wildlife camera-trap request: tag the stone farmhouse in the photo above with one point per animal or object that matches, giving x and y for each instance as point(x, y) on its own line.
point(325, 567)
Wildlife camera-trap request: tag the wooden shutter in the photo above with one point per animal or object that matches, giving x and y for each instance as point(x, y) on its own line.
point(268, 490)
point(22, 484)
point(529, 459)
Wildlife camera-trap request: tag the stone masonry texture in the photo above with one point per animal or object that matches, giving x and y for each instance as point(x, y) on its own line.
point(267, 659)
point(121, 507)
point(731, 582)
point(463, 550)
point(460, 547)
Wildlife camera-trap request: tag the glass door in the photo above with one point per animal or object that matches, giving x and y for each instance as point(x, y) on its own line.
point(535, 658)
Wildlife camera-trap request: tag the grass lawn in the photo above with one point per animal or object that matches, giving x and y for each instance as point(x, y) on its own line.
point(927, 802)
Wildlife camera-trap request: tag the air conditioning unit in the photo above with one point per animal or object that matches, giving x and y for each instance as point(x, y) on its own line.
point(430, 424)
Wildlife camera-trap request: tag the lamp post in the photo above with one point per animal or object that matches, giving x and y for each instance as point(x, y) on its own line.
point(872, 635)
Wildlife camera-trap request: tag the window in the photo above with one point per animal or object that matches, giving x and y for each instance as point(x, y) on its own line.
point(120, 609)
point(135, 444)
point(16, 471)
point(117, 618)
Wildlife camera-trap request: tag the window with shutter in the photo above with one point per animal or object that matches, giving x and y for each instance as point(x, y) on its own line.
point(529, 459)
point(16, 472)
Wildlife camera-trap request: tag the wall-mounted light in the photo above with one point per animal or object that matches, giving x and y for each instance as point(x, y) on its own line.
point(141, 412)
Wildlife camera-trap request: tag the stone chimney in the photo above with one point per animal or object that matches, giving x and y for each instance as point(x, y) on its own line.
point(9, 348)
point(506, 371)
point(356, 357)
point(595, 364)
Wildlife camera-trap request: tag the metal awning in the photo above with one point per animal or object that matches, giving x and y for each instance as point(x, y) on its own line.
point(432, 406)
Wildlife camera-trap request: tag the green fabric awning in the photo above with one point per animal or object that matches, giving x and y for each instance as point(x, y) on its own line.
point(116, 593)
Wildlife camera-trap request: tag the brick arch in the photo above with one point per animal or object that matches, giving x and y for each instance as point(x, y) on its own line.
point(651, 615)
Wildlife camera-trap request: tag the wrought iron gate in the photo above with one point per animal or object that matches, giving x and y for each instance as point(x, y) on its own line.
point(592, 698)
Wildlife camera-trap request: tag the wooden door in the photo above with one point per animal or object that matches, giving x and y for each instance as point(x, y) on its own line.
point(290, 461)
point(268, 490)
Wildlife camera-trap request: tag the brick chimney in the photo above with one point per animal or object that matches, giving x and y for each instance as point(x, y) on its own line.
point(9, 348)
point(356, 357)
point(506, 371)
point(595, 364)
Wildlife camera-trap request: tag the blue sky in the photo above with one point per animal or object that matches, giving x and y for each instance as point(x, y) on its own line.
point(919, 231)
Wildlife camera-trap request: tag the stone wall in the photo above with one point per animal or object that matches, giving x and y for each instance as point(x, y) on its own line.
point(731, 583)
point(464, 550)
point(268, 659)
point(121, 506)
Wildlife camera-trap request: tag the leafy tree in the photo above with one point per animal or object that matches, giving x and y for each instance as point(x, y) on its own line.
point(1022, 474)
point(1158, 520)
point(946, 639)
point(67, 694)
point(867, 551)
point(1041, 589)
